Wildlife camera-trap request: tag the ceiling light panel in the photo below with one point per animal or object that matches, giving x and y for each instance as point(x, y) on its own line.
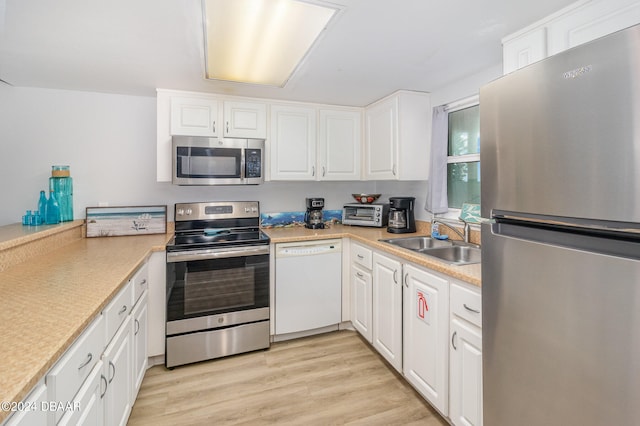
point(260, 41)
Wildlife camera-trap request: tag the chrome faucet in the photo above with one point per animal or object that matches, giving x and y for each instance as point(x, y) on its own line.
point(465, 235)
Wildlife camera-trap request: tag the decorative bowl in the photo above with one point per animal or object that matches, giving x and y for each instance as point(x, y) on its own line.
point(365, 198)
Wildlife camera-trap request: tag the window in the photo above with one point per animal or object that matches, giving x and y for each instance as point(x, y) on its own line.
point(463, 161)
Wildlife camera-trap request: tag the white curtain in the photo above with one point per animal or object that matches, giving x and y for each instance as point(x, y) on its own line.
point(437, 201)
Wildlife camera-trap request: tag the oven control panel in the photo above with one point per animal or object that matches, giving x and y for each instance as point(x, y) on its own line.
point(217, 210)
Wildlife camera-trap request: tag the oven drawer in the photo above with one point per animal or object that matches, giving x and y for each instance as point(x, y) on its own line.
point(200, 346)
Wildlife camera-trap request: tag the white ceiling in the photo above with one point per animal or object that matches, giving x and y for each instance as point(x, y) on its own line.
point(373, 48)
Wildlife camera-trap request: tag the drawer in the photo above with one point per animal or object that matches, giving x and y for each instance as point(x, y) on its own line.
point(68, 374)
point(140, 281)
point(466, 303)
point(116, 311)
point(362, 256)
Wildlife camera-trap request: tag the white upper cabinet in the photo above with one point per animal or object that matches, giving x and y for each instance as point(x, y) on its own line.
point(579, 23)
point(245, 120)
point(339, 145)
point(397, 137)
point(308, 143)
point(292, 146)
point(194, 117)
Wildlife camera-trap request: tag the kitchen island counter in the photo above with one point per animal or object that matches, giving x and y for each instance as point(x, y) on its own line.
point(371, 236)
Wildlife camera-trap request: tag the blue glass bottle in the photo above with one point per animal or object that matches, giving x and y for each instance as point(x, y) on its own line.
point(42, 205)
point(61, 184)
point(53, 210)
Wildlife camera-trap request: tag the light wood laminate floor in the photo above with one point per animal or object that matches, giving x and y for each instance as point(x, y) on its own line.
point(329, 379)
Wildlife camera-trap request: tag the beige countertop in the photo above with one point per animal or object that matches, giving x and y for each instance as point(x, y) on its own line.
point(370, 236)
point(47, 301)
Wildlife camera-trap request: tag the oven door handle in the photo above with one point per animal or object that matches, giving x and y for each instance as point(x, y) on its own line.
point(183, 256)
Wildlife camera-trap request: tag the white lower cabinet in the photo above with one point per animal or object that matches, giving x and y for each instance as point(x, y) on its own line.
point(426, 335)
point(361, 302)
point(139, 331)
point(31, 413)
point(465, 406)
point(427, 325)
point(118, 371)
point(89, 400)
point(465, 365)
point(387, 309)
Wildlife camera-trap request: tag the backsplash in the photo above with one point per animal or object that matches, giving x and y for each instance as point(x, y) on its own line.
point(292, 219)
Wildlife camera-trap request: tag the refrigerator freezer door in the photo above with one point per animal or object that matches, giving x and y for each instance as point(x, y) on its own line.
point(561, 332)
point(562, 137)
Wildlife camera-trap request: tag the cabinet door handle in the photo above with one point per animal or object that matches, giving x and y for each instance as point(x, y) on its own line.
point(84, 364)
point(323, 171)
point(470, 309)
point(393, 170)
point(453, 336)
point(106, 385)
point(313, 170)
point(122, 310)
point(406, 280)
point(395, 276)
point(137, 323)
point(214, 126)
point(227, 127)
point(114, 371)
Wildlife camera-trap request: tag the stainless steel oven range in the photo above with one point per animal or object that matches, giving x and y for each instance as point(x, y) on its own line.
point(217, 282)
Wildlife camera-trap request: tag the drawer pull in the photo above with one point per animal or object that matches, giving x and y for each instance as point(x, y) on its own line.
point(453, 337)
point(84, 364)
point(114, 371)
point(137, 323)
point(143, 282)
point(360, 256)
point(470, 309)
point(106, 385)
point(359, 275)
point(122, 310)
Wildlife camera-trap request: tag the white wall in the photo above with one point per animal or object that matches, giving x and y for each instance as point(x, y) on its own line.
point(109, 141)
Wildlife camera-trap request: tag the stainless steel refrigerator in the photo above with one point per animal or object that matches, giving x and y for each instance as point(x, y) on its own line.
point(560, 155)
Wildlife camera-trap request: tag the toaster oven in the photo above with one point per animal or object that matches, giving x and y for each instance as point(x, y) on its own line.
point(375, 215)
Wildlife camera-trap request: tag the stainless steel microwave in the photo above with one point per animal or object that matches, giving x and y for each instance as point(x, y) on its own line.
point(214, 161)
point(376, 215)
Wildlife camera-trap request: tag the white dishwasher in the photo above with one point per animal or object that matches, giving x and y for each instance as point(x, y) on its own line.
point(308, 288)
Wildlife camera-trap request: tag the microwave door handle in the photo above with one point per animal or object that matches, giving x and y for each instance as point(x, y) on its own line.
point(242, 164)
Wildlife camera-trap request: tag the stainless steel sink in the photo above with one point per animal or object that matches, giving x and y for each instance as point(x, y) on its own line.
point(457, 254)
point(417, 243)
point(452, 252)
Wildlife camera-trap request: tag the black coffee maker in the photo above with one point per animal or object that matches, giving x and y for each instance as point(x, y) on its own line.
point(313, 215)
point(401, 218)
